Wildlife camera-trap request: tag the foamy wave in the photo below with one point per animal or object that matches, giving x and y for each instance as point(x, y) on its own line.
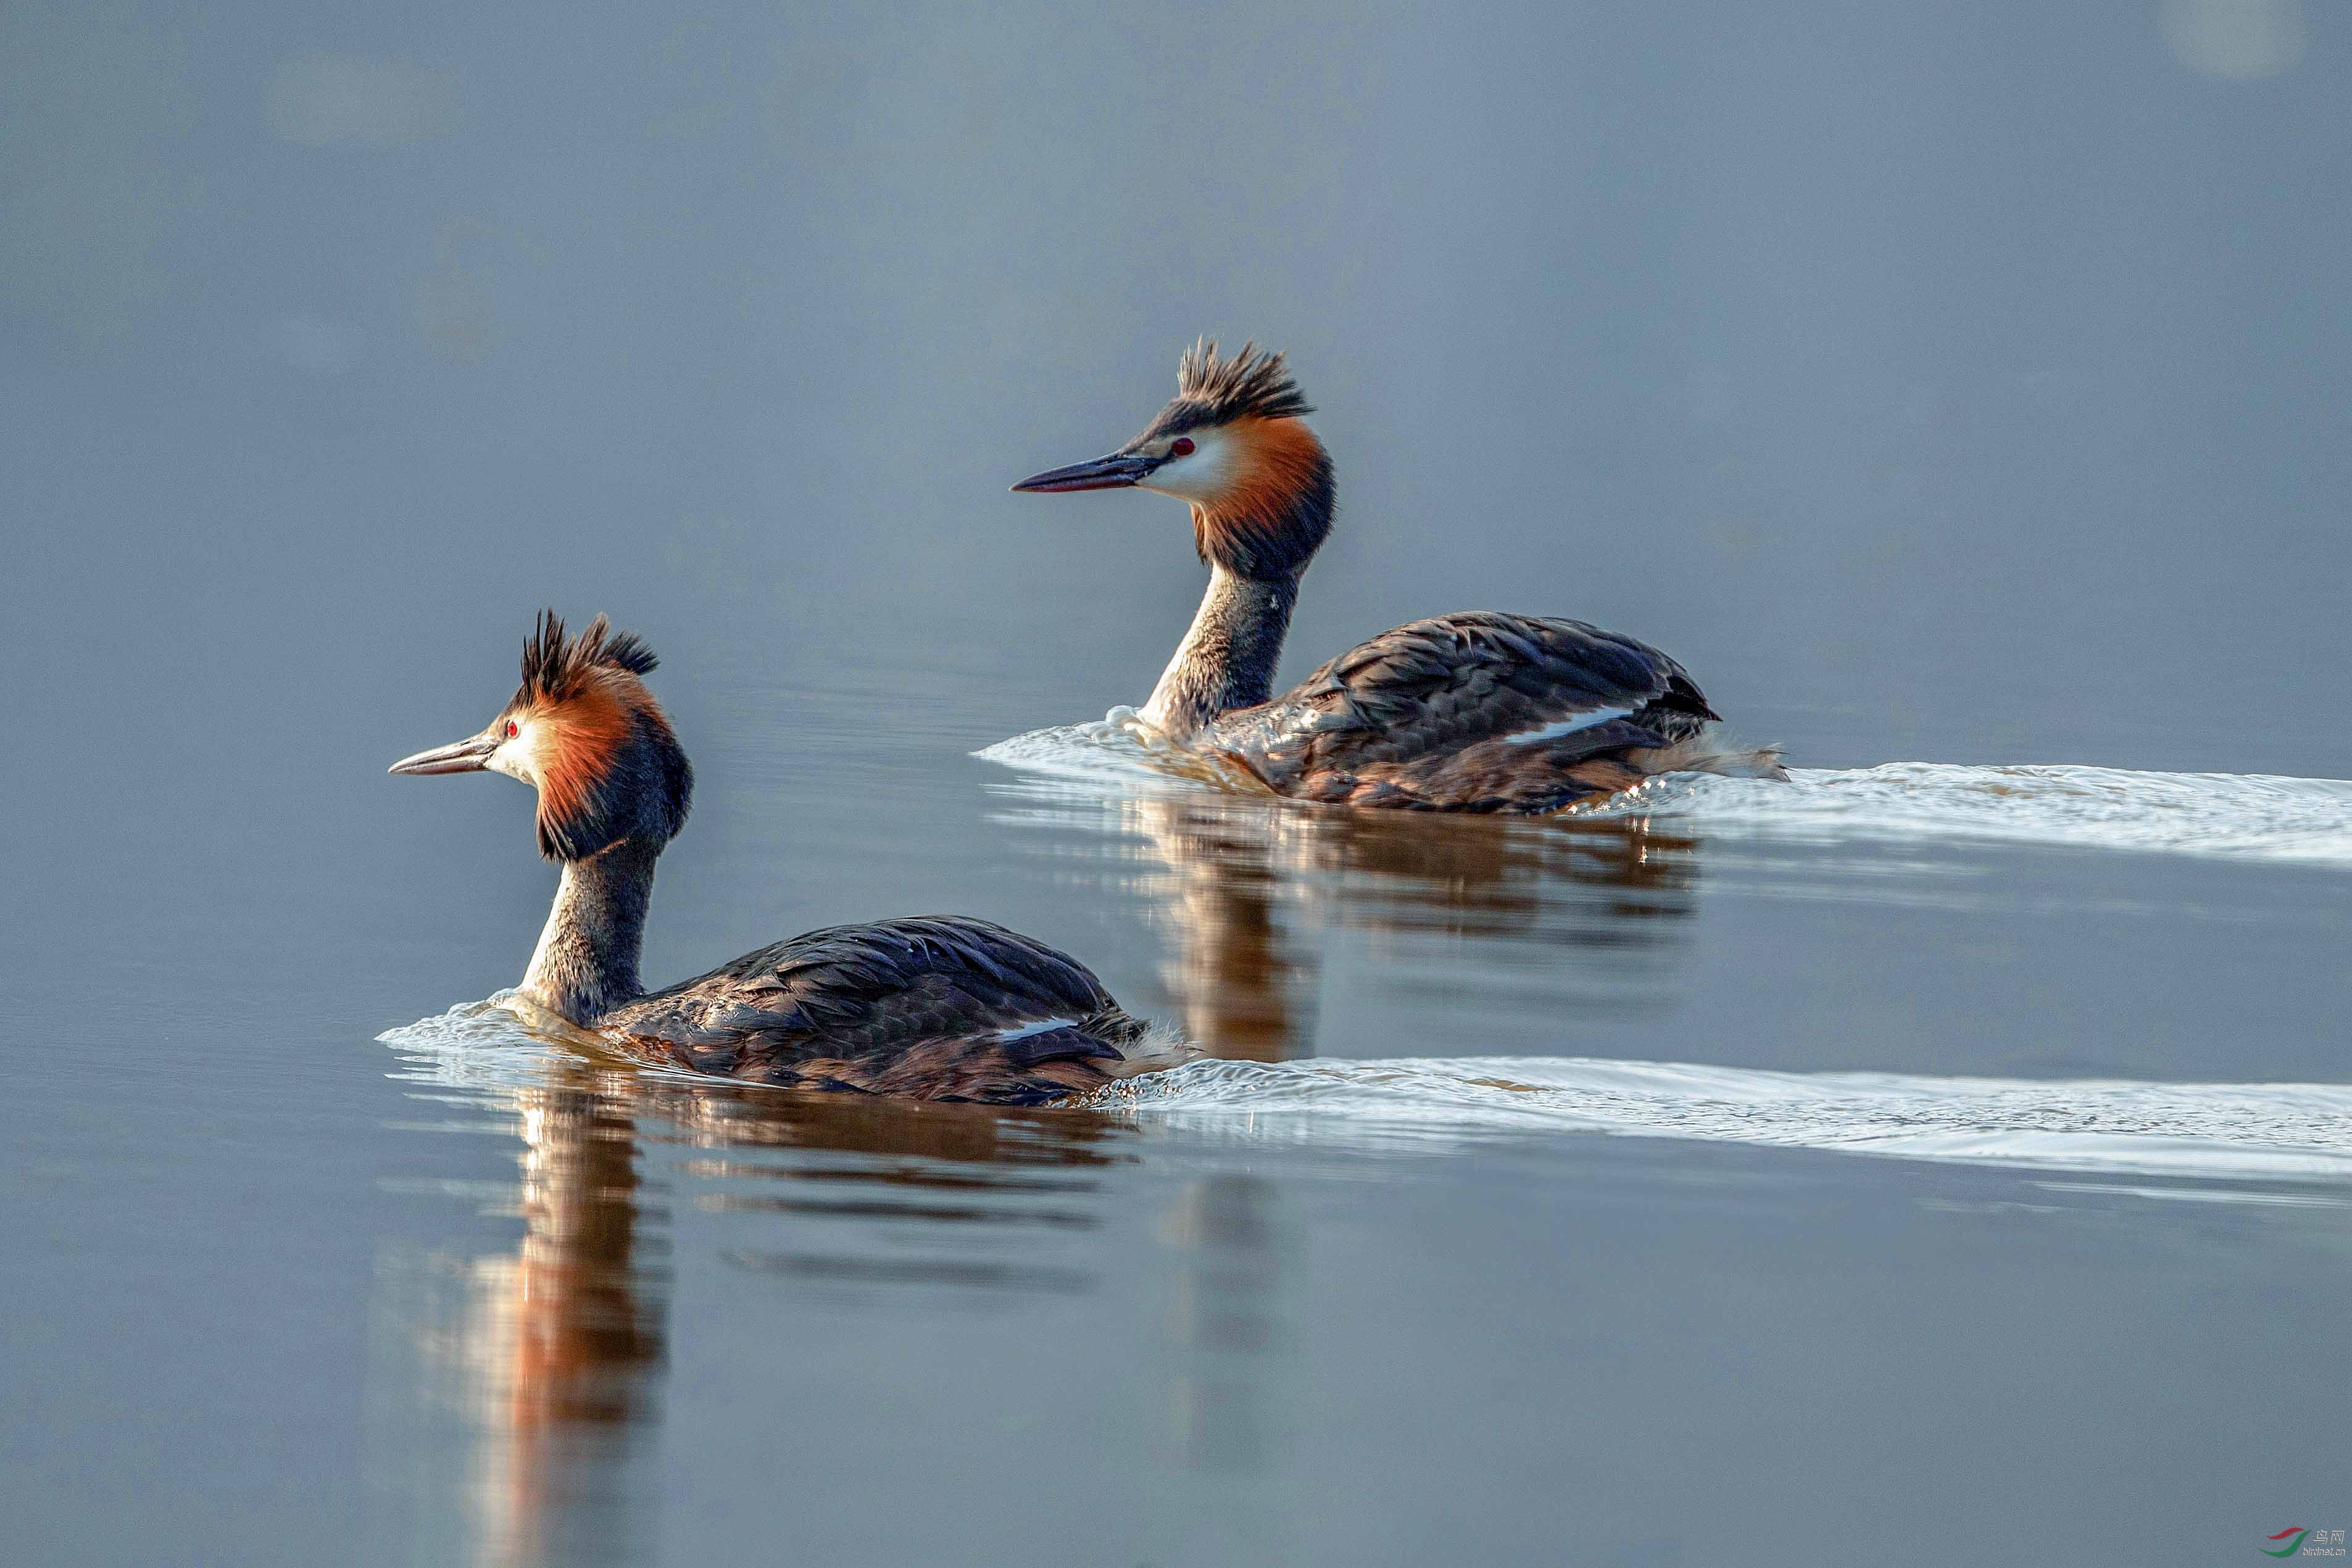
point(503, 1041)
point(1119, 750)
point(2228, 815)
point(2299, 1133)
point(2251, 815)
point(2294, 1131)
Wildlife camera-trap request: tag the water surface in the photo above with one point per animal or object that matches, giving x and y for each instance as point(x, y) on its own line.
point(1941, 1156)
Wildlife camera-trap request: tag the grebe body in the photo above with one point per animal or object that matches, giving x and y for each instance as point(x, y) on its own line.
point(934, 1007)
point(1479, 711)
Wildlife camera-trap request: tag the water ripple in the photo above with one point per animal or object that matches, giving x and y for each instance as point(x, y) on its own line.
point(2228, 815)
point(2294, 1131)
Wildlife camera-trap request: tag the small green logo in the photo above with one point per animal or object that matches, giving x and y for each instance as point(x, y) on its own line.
point(2296, 1531)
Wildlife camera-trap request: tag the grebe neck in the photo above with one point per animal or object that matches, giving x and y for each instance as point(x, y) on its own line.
point(1227, 658)
point(586, 964)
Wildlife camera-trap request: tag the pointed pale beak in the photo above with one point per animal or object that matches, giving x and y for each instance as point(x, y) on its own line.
point(1115, 472)
point(472, 756)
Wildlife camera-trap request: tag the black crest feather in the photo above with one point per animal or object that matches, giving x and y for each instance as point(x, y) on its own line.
point(553, 667)
point(638, 784)
point(1215, 389)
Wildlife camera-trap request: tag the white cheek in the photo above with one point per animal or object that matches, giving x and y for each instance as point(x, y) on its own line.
point(1202, 476)
point(513, 757)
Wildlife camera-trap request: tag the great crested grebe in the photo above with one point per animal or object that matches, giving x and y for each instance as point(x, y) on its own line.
point(1473, 712)
point(933, 1007)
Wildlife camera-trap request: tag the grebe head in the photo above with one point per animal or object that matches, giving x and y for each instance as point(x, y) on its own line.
point(585, 733)
point(1235, 444)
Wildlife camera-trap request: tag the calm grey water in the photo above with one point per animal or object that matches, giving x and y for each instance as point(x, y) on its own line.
point(1950, 1163)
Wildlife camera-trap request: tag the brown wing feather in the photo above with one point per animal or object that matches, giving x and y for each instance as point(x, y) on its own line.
point(1450, 713)
point(933, 1007)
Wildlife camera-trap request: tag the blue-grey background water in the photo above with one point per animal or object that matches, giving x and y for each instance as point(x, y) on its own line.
point(1960, 385)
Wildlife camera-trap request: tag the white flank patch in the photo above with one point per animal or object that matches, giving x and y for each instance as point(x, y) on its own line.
point(1007, 1035)
point(1566, 727)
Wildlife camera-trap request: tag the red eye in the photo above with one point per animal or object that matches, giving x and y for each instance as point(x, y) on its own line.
point(1183, 447)
point(513, 729)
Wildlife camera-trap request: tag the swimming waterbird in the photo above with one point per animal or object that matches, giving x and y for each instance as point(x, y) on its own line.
point(935, 1006)
point(1473, 712)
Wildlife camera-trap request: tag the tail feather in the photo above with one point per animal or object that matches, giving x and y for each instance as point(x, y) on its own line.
point(1145, 1045)
point(1710, 751)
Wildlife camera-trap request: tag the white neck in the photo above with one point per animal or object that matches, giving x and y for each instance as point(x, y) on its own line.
point(1227, 658)
point(586, 961)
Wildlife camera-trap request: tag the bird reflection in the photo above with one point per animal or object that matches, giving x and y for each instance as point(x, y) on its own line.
point(1222, 1320)
point(563, 1340)
point(1595, 904)
point(556, 1361)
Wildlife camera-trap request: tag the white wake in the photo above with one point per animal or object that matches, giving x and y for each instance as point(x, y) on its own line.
point(2292, 1132)
point(2299, 1132)
point(2227, 815)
